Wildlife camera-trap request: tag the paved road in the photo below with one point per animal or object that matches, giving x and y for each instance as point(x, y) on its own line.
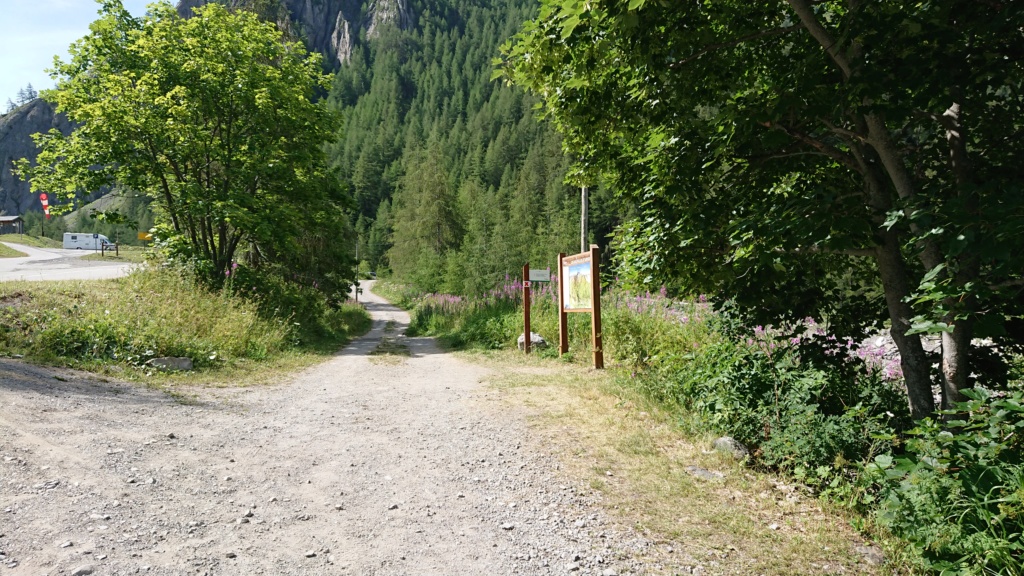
point(57, 264)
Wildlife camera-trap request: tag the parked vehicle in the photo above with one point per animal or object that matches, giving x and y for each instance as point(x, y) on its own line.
point(85, 241)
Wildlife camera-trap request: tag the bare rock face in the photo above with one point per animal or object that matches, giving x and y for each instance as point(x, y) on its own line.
point(16, 129)
point(331, 27)
point(384, 12)
point(342, 41)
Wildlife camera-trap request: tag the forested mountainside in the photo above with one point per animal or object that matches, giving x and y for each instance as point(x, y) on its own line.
point(331, 27)
point(457, 182)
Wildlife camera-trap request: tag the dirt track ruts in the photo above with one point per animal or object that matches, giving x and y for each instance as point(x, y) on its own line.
point(354, 466)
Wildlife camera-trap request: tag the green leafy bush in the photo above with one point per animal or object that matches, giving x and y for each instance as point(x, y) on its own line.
point(147, 314)
point(796, 416)
point(160, 312)
point(957, 496)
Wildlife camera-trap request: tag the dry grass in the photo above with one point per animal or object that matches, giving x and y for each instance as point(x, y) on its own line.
point(742, 523)
point(125, 254)
point(160, 309)
point(29, 240)
point(8, 252)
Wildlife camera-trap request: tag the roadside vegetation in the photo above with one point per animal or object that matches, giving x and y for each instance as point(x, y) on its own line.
point(8, 252)
point(117, 326)
point(30, 240)
point(252, 229)
point(825, 412)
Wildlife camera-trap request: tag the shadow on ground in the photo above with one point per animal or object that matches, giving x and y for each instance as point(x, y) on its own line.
point(23, 378)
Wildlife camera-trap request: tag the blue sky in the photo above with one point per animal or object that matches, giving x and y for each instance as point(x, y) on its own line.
point(34, 31)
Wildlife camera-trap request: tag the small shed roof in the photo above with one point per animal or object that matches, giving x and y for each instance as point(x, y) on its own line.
point(10, 218)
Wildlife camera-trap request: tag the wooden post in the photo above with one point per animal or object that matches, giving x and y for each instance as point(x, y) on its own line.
point(563, 318)
point(595, 314)
point(584, 216)
point(526, 308)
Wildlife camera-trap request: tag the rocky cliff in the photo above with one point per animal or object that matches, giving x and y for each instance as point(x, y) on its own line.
point(16, 129)
point(332, 27)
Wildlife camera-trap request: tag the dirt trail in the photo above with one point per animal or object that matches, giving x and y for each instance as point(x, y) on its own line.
point(355, 466)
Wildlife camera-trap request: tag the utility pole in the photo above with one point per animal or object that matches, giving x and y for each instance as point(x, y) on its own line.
point(585, 201)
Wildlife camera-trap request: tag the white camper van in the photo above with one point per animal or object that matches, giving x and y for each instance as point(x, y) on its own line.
point(84, 241)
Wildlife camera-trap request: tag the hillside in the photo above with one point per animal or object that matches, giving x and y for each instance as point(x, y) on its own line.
point(16, 129)
point(457, 182)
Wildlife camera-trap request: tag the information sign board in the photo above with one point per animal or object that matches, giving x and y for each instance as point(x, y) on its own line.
point(540, 275)
point(580, 291)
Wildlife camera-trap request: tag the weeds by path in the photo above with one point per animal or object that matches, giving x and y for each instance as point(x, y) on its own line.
point(672, 487)
point(28, 240)
point(8, 252)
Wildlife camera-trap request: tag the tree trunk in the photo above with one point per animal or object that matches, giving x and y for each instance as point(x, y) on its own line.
point(956, 345)
point(916, 368)
point(956, 348)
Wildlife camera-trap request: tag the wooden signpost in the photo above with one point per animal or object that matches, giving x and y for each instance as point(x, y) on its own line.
point(580, 291)
point(529, 277)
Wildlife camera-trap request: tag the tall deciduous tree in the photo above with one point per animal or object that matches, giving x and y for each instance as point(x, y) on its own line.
point(212, 116)
point(770, 145)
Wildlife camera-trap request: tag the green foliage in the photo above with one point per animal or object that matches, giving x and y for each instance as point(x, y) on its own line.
point(153, 313)
point(8, 252)
point(401, 295)
point(315, 317)
point(457, 184)
point(210, 116)
point(805, 417)
point(771, 147)
point(957, 495)
point(130, 320)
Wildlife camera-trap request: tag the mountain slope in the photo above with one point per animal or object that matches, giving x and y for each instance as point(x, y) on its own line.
point(331, 27)
point(16, 129)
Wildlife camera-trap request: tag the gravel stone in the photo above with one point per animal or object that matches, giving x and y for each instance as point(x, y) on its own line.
point(476, 490)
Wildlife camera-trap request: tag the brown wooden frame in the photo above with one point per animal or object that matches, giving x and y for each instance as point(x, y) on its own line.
point(594, 256)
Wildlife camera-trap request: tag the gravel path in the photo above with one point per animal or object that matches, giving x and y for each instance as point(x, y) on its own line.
point(355, 466)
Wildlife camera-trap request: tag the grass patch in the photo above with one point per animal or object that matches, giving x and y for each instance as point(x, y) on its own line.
point(400, 295)
point(115, 326)
point(598, 426)
point(135, 254)
point(29, 240)
point(8, 252)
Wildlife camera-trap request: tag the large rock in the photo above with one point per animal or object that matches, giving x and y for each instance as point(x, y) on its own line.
point(16, 129)
point(731, 446)
point(536, 341)
point(171, 363)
